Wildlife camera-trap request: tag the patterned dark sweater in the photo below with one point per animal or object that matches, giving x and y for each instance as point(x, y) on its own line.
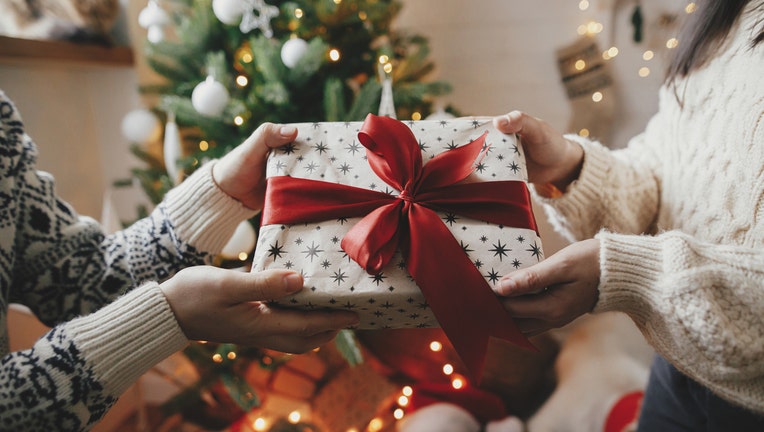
point(99, 293)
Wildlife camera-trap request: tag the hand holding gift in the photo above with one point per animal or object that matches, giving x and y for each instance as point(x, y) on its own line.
point(402, 242)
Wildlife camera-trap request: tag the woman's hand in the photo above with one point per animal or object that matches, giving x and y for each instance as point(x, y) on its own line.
point(555, 291)
point(230, 306)
point(241, 173)
point(549, 156)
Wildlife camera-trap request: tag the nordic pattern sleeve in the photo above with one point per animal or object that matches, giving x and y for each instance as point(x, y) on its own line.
point(699, 304)
point(65, 266)
point(70, 378)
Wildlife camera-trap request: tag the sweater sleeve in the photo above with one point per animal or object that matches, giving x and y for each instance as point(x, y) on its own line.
point(66, 266)
point(70, 378)
point(699, 304)
point(615, 190)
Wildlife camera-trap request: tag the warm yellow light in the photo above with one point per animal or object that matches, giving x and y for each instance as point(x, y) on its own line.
point(388, 68)
point(612, 51)
point(648, 55)
point(204, 145)
point(407, 391)
point(448, 369)
point(231, 355)
point(375, 425)
point(593, 27)
point(352, 429)
point(580, 65)
point(457, 383)
point(596, 96)
point(383, 59)
point(238, 120)
point(259, 424)
point(195, 162)
point(644, 71)
point(334, 54)
point(243, 256)
point(241, 80)
point(398, 414)
point(691, 7)
point(362, 16)
point(294, 417)
point(298, 13)
point(337, 1)
point(416, 115)
point(435, 346)
point(217, 358)
point(583, 5)
point(246, 58)
point(403, 401)
point(672, 43)
point(582, 29)
point(583, 132)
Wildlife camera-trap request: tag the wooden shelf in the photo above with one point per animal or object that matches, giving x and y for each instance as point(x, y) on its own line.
point(14, 50)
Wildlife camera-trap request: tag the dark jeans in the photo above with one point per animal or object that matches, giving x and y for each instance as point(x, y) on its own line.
point(673, 402)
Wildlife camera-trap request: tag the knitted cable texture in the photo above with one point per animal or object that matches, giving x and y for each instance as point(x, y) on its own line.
point(680, 217)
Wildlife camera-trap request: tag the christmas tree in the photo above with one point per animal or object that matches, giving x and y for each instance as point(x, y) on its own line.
point(229, 65)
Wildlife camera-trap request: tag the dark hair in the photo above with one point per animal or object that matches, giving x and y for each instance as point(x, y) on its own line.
point(703, 33)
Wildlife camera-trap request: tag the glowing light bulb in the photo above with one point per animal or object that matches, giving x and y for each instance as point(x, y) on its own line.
point(383, 59)
point(231, 355)
point(217, 358)
point(398, 414)
point(298, 13)
point(238, 120)
point(583, 132)
point(259, 424)
point(644, 71)
point(407, 391)
point(294, 417)
point(583, 5)
point(457, 383)
point(416, 115)
point(648, 55)
point(596, 96)
point(204, 145)
point(403, 401)
point(691, 7)
point(375, 425)
point(435, 346)
point(580, 65)
point(672, 43)
point(241, 80)
point(246, 58)
point(448, 369)
point(334, 54)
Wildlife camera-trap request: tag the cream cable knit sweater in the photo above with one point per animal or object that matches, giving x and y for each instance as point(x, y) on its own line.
point(66, 270)
point(680, 217)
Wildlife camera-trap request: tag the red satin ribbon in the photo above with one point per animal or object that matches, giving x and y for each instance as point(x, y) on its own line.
point(464, 304)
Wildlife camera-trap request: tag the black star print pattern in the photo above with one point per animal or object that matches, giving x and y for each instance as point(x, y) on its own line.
point(332, 153)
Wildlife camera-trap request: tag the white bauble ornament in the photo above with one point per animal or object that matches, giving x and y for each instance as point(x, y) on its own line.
point(154, 18)
point(140, 126)
point(292, 51)
point(172, 148)
point(210, 97)
point(242, 241)
point(228, 11)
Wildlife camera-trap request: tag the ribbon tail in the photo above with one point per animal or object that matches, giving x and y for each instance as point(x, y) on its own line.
point(464, 304)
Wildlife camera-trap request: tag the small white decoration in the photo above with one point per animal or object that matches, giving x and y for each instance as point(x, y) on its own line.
point(258, 15)
point(210, 97)
point(242, 241)
point(172, 148)
point(228, 11)
point(140, 126)
point(292, 51)
point(154, 18)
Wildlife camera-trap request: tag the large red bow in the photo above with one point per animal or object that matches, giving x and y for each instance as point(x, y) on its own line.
point(460, 298)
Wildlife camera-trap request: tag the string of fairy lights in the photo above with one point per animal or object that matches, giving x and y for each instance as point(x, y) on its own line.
point(592, 28)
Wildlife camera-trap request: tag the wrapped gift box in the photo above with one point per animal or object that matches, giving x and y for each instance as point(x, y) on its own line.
point(332, 153)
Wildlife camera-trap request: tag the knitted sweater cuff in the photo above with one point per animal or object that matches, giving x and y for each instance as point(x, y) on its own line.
point(577, 201)
point(630, 267)
point(202, 214)
point(128, 337)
